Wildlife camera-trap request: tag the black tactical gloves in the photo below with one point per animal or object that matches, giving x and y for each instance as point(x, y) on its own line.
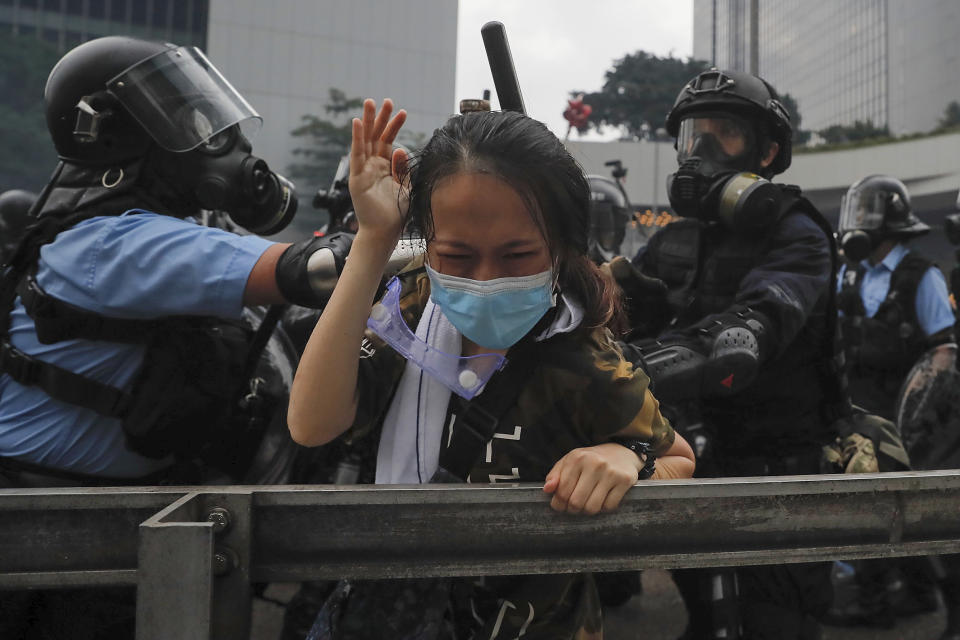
point(644, 298)
point(717, 357)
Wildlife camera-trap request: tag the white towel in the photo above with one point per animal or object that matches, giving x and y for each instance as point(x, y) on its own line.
point(409, 451)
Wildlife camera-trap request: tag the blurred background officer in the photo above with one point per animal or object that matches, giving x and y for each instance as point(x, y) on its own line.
point(894, 302)
point(746, 278)
point(895, 306)
point(124, 352)
point(609, 215)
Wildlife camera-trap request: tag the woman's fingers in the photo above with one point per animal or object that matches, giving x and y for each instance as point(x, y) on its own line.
point(357, 155)
point(376, 132)
point(582, 494)
point(614, 496)
point(383, 117)
point(368, 115)
point(589, 481)
point(566, 483)
point(392, 128)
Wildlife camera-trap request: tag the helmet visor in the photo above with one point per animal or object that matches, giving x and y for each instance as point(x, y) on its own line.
point(863, 208)
point(721, 139)
point(181, 99)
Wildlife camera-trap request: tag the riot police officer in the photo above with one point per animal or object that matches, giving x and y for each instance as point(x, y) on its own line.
point(746, 279)
point(609, 215)
point(123, 356)
point(894, 302)
point(894, 306)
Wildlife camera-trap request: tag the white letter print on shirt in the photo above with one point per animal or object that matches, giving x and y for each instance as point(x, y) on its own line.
point(503, 610)
point(515, 475)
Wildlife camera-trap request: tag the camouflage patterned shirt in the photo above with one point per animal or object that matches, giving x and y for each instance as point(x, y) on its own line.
point(580, 393)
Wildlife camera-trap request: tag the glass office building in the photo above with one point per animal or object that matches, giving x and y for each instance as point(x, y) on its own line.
point(889, 61)
point(67, 23)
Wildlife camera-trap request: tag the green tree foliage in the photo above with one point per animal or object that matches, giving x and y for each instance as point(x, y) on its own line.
point(28, 157)
point(640, 88)
point(800, 137)
point(325, 141)
point(859, 130)
point(951, 116)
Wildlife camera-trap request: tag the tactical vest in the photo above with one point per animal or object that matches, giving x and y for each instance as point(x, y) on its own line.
point(192, 396)
point(703, 265)
point(881, 349)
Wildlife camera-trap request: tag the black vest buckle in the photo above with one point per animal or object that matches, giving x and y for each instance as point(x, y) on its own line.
point(20, 366)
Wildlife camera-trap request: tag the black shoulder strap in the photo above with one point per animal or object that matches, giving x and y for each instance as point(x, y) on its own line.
point(904, 282)
point(62, 384)
point(477, 419)
point(56, 320)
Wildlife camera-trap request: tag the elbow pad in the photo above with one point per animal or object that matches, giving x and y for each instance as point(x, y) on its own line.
point(308, 270)
point(720, 359)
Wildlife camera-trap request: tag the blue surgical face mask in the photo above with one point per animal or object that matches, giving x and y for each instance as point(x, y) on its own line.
point(493, 313)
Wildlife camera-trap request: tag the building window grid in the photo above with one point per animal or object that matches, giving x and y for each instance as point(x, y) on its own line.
point(66, 23)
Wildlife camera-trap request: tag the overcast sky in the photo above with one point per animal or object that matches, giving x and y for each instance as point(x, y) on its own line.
point(563, 45)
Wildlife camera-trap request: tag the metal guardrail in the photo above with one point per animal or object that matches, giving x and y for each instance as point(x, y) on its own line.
point(196, 551)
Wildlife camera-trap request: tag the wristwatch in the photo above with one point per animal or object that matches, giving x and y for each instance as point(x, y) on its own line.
point(643, 450)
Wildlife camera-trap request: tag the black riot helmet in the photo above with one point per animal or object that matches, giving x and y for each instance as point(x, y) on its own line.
point(876, 208)
point(158, 118)
point(87, 123)
point(609, 215)
point(751, 102)
point(724, 123)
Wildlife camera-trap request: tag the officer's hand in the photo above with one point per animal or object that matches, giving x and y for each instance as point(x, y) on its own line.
point(592, 479)
point(645, 298)
point(375, 189)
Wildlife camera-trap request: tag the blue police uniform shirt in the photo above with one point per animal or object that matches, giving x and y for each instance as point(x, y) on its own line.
point(131, 266)
point(933, 302)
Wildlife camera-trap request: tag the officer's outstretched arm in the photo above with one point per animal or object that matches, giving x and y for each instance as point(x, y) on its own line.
point(718, 357)
point(302, 273)
point(721, 354)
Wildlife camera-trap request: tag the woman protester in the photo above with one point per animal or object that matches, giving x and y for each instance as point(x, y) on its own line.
point(506, 278)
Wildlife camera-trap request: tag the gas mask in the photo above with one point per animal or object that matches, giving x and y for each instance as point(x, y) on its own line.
point(714, 181)
point(858, 244)
point(222, 175)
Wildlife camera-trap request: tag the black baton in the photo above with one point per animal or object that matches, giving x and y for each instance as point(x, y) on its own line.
point(501, 67)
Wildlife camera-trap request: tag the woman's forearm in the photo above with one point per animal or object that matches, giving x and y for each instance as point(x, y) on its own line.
point(323, 397)
point(673, 468)
point(677, 463)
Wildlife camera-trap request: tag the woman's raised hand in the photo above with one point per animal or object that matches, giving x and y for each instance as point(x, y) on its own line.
point(374, 166)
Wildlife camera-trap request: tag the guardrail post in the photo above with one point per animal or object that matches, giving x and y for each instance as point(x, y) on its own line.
point(175, 574)
point(194, 569)
point(232, 591)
